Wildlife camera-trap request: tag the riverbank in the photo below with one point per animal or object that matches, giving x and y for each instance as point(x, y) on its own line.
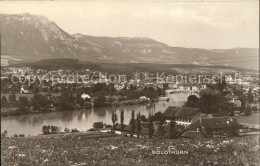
point(78, 150)
point(13, 111)
point(81, 119)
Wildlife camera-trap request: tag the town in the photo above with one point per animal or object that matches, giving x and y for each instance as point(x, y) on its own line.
point(130, 83)
point(218, 110)
point(228, 96)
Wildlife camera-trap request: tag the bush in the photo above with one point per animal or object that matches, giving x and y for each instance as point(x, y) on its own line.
point(87, 105)
point(67, 130)
point(255, 109)
point(21, 135)
point(107, 126)
point(55, 129)
point(101, 104)
point(158, 117)
point(143, 118)
point(46, 129)
point(98, 125)
point(110, 100)
point(193, 101)
point(92, 129)
point(248, 111)
point(23, 110)
point(121, 98)
point(74, 130)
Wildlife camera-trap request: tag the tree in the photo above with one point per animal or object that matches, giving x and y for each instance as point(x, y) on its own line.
point(100, 101)
point(122, 121)
point(255, 109)
point(67, 130)
point(172, 127)
point(132, 123)
point(4, 134)
point(150, 127)
point(243, 103)
point(121, 98)
point(54, 129)
point(250, 96)
point(66, 101)
point(74, 130)
point(143, 118)
point(226, 109)
point(39, 101)
point(211, 100)
point(23, 102)
point(114, 119)
point(110, 100)
point(98, 125)
point(14, 88)
point(161, 130)
point(4, 102)
point(132, 87)
point(138, 127)
point(158, 116)
point(237, 90)
point(248, 111)
point(150, 93)
point(221, 84)
point(193, 101)
point(46, 129)
point(99, 86)
point(79, 99)
point(35, 89)
point(12, 98)
point(111, 87)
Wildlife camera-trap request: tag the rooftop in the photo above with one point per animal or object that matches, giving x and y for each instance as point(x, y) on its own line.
point(181, 112)
point(215, 123)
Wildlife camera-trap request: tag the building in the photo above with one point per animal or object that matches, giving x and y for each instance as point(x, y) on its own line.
point(85, 96)
point(25, 89)
point(178, 130)
point(143, 133)
point(183, 115)
point(215, 126)
point(192, 134)
point(144, 98)
point(237, 103)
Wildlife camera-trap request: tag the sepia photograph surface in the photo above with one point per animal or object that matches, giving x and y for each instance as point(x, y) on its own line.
point(129, 83)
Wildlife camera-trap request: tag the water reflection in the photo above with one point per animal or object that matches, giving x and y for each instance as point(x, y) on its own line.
point(82, 119)
point(100, 112)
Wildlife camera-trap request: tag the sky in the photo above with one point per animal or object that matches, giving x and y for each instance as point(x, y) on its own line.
point(205, 24)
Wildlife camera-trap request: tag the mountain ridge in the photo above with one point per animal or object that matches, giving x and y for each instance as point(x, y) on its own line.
point(32, 37)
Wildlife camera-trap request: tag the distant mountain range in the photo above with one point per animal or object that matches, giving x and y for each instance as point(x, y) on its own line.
point(29, 37)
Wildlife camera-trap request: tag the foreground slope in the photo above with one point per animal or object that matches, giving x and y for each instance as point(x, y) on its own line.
point(83, 150)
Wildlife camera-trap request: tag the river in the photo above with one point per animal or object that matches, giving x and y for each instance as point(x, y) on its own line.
point(82, 119)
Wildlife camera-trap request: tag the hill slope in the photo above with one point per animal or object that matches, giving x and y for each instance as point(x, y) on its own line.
point(35, 37)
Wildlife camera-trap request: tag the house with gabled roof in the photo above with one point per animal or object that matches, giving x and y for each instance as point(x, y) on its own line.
point(215, 126)
point(183, 115)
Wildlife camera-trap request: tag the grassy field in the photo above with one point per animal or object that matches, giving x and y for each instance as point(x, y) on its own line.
point(83, 149)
